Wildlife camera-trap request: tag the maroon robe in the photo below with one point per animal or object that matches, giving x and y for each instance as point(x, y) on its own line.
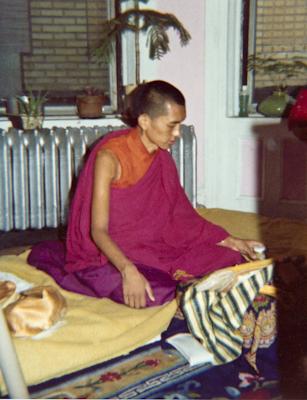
point(152, 222)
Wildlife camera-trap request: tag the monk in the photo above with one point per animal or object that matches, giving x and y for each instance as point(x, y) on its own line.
point(132, 232)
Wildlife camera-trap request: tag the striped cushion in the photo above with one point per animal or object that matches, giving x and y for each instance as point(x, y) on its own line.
point(214, 314)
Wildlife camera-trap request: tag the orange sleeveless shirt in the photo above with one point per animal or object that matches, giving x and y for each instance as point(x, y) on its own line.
point(132, 155)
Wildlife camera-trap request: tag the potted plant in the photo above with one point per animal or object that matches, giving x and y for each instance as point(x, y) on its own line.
point(89, 104)
point(31, 109)
point(150, 22)
point(279, 71)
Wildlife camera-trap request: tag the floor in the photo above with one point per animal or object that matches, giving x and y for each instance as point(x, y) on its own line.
point(14, 242)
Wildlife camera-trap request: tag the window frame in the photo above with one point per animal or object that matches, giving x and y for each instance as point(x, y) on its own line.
point(115, 82)
point(249, 32)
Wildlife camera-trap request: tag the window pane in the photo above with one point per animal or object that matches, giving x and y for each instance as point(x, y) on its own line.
point(53, 50)
point(280, 31)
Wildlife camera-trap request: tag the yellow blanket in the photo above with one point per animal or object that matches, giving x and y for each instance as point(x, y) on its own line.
point(93, 330)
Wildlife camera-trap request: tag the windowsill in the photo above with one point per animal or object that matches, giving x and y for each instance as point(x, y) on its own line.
point(63, 120)
point(71, 111)
point(258, 116)
point(66, 115)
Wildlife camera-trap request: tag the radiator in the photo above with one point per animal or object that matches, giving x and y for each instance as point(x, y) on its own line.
point(38, 168)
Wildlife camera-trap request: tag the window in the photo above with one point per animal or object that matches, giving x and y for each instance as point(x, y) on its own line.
point(275, 28)
point(46, 46)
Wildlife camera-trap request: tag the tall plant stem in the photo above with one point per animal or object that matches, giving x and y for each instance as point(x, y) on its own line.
point(137, 48)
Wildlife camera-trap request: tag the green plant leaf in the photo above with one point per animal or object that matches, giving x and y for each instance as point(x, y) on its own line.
point(157, 41)
point(32, 103)
point(278, 69)
point(151, 22)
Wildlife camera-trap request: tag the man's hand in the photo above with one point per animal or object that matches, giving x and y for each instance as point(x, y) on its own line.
point(243, 246)
point(135, 287)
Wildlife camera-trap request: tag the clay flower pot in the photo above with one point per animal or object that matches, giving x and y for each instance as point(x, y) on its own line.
point(90, 106)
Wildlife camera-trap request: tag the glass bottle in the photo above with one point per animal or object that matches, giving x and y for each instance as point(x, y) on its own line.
point(243, 102)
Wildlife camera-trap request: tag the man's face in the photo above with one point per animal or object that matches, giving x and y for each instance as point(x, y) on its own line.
point(161, 132)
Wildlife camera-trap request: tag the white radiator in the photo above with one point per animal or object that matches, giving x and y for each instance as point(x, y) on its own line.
point(37, 170)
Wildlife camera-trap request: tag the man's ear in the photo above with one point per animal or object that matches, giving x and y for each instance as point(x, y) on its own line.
point(143, 121)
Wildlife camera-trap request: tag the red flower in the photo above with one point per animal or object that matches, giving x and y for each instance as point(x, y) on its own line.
point(110, 377)
point(261, 298)
point(248, 379)
point(152, 363)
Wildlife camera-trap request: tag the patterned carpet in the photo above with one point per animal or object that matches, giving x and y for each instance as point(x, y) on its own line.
point(154, 373)
point(158, 371)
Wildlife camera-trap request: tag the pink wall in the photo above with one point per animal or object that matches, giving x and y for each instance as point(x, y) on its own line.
point(183, 66)
point(251, 175)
